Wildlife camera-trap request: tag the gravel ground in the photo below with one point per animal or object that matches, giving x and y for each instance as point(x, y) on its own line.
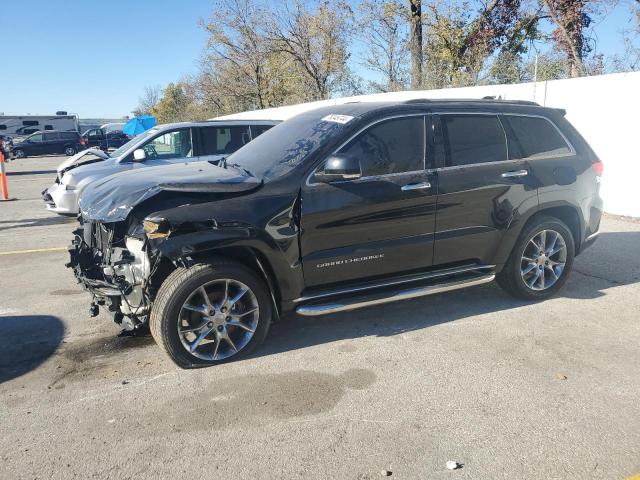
point(506, 388)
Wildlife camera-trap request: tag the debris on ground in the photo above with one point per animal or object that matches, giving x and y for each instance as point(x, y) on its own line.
point(385, 473)
point(561, 376)
point(453, 465)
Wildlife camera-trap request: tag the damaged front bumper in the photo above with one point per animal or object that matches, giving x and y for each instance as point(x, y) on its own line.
point(116, 276)
point(60, 199)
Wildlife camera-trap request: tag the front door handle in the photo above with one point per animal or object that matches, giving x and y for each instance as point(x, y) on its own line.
point(416, 186)
point(515, 173)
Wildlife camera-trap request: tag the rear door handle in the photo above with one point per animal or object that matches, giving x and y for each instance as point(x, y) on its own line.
point(416, 186)
point(515, 173)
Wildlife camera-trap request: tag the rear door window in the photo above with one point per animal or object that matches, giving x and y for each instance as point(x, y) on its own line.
point(48, 137)
point(473, 139)
point(223, 140)
point(391, 146)
point(537, 137)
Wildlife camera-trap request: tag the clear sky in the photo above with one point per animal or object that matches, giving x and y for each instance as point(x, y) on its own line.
point(94, 57)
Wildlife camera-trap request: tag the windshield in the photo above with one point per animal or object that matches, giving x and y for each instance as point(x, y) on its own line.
point(280, 149)
point(134, 141)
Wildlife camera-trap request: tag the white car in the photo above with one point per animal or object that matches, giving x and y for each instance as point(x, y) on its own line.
point(163, 144)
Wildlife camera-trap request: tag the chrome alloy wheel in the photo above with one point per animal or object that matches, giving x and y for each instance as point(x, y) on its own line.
point(218, 319)
point(543, 260)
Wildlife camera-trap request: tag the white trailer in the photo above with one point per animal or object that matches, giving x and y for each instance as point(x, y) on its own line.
point(20, 125)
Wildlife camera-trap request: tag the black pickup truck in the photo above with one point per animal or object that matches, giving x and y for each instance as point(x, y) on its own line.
point(335, 209)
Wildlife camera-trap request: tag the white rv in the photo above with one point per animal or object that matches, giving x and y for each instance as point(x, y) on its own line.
point(23, 125)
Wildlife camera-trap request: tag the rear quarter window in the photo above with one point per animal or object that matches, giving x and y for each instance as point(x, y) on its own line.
point(537, 137)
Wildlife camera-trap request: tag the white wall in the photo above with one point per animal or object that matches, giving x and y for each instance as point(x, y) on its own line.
point(603, 108)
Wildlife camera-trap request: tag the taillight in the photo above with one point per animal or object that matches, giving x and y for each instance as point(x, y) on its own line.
point(598, 168)
point(82, 142)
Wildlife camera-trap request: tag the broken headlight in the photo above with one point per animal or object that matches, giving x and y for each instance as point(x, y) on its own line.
point(156, 227)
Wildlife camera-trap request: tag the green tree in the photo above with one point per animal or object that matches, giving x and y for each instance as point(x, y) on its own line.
point(173, 106)
point(460, 41)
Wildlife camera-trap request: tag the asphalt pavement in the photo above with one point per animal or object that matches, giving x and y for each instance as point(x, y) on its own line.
point(507, 389)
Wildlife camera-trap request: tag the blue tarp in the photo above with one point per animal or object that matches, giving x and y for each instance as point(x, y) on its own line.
point(137, 125)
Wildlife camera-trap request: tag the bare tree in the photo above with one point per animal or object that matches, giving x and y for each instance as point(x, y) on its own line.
point(629, 59)
point(415, 45)
point(383, 29)
point(316, 39)
point(149, 99)
point(571, 20)
point(238, 67)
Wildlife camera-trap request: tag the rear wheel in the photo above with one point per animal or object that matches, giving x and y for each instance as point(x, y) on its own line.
point(540, 261)
point(210, 313)
point(69, 151)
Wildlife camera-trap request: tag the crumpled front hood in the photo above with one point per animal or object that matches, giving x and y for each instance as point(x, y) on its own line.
point(111, 199)
point(77, 159)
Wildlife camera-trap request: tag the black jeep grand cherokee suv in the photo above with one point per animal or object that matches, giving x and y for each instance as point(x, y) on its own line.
point(339, 208)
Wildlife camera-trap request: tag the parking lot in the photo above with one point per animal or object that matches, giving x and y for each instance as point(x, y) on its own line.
point(508, 389)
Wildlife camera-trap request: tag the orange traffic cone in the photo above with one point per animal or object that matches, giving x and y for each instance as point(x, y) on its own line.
point(3, 178)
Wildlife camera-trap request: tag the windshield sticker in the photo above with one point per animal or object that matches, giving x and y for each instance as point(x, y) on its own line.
point(335, 118)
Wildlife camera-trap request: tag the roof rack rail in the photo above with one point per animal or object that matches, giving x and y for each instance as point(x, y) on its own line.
point(418, 100)
point(504, 100)
point(488, 98)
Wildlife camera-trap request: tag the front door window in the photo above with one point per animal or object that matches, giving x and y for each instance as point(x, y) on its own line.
point(392, 146)
point(176, 144)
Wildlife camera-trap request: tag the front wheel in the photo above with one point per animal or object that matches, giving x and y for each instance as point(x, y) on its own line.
point(19, 153)
point(210, 313)
point(540, 261)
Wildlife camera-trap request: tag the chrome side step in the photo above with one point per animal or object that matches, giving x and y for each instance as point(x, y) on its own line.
point(381, 298)
point(395, 282)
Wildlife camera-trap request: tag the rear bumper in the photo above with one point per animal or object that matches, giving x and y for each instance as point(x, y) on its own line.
point(60, 200)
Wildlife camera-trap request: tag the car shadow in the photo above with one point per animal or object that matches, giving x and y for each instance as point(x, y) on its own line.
point(613, 261)
point(31, 172)
point(37, 222)
point(26, 341)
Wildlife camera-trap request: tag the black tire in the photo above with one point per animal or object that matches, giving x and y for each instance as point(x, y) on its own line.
point(69, 150)
point(511, 279)
point(175, 291)
point(19, 153)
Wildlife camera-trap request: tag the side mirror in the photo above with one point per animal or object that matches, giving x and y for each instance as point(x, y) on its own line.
point(139, 155)
point(339, 167)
